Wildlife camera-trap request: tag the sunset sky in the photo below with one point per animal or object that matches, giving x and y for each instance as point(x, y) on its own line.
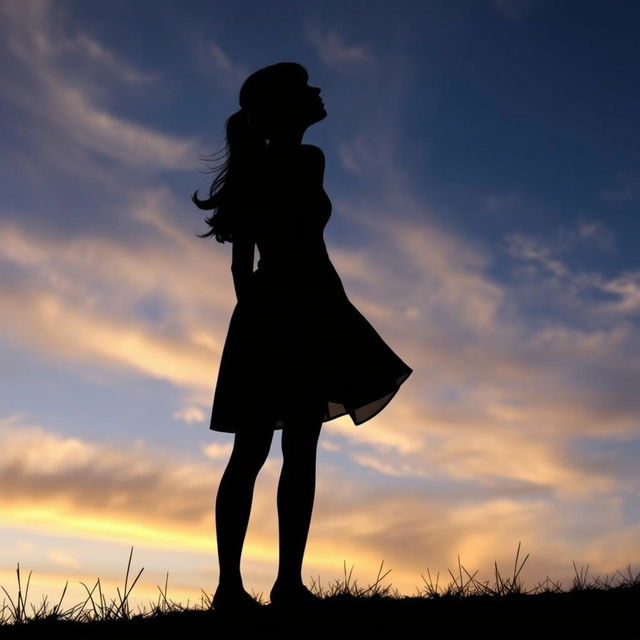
point(483, 160)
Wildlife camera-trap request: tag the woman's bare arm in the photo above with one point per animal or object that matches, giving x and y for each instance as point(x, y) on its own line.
point(243, 252)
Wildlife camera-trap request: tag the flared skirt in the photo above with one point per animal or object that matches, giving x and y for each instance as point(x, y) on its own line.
point(291, 348)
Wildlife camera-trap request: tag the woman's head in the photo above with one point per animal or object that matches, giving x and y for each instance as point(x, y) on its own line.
point(276, 104)
point(278, 97)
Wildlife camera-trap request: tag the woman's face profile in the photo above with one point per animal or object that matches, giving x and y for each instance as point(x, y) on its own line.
point(305, 103)
point(281, 99)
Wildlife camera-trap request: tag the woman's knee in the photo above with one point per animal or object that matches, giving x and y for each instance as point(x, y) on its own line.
point(251, 449)
point(300, 439)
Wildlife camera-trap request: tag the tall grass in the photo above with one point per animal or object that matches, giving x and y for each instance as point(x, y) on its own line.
point(463, 585)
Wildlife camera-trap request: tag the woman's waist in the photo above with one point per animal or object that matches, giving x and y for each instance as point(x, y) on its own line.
point(294, 262)
point(281, 274)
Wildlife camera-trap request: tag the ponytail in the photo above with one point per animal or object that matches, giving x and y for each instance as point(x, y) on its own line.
point(242, 152)
point(240, 178)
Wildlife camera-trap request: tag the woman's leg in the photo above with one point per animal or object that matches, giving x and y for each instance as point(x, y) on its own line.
point(233, 502)
point(296, 490)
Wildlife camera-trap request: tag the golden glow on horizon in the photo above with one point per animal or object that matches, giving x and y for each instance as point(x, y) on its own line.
point(58, 521)
point(409, 532)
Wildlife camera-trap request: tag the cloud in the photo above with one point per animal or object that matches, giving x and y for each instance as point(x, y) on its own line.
point(84, 45)
point(83, 298)
point(332, 48)
point(66, 484)
point(627, 287)
point(364, 154)
point(216, 450)
point(190, 415)
point(218, 65)
point(527, 248)
point(506, 395)
point(589, 233)
point(330, 445)
point(399, 468)
point(64, 111)
point(497, 449)
point(572, 287)
point(598, 233)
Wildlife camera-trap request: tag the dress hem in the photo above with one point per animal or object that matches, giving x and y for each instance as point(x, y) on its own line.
point(351, 414)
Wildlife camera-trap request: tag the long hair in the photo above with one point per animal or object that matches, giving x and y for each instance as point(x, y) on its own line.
point(247, 134)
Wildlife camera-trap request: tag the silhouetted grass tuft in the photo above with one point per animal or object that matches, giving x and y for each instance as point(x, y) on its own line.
point(376, 609)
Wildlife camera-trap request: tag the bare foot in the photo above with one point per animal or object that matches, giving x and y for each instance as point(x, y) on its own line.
point(291, 594)
point(234, 599)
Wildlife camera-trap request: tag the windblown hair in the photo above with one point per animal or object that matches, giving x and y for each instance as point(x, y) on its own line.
point(237, 179)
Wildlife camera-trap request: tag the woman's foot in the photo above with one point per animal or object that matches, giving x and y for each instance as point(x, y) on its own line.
point(292, 594)
point(234, 600)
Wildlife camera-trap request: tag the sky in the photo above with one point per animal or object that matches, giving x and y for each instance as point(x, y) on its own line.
point(483, 161)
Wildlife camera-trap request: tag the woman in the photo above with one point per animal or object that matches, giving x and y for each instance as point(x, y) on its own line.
point(297, 352)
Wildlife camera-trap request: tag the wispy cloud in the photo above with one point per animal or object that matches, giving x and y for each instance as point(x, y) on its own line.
point(334, 50)
point(577, 287)
point(218, 65)
point(82, 298)
point(190, 415)
point(84, 45)
point(217, 450)
point(484, 368)
point(67, 107)
point(591, 233)
point(626, 287)
point(365, 154)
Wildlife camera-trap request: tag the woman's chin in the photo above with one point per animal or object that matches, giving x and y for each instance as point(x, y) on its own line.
point(316, 116)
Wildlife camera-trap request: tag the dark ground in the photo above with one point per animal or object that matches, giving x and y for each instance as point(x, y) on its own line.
point(581, 614)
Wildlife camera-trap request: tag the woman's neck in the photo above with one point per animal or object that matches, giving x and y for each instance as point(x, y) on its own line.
point(287, 140)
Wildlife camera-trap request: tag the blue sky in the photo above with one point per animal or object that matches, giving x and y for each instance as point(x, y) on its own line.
point(483, 164)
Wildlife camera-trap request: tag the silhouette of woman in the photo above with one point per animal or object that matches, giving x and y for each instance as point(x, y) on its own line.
point(297, 352)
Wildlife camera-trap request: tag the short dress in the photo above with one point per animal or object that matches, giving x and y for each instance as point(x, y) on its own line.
point(296, 344)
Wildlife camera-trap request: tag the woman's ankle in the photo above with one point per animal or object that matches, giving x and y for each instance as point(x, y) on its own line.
point(230, 585)
point(288, 583)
